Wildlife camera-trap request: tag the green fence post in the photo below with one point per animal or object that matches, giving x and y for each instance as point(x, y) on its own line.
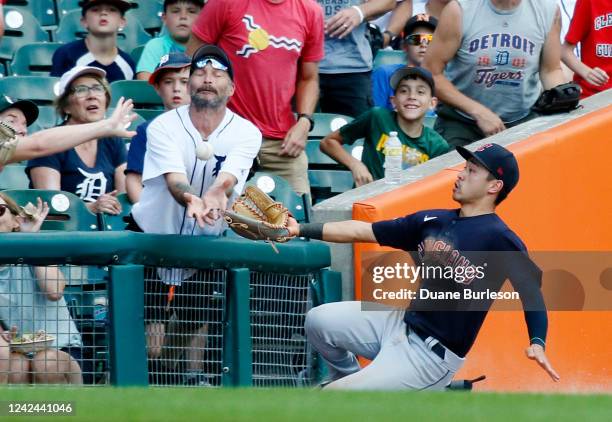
point(331, 286)
point(238, 361)
point(127, 343)
point(328, 288)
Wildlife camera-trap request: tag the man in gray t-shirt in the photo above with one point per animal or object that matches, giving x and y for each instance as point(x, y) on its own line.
point(344, 73)
point(490, 59)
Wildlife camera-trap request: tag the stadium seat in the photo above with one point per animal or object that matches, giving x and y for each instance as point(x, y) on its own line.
point(33, 59)
point(117, 222)
point(279, 189)
point(67, 212)
point(148, 114)
point(65, 6)
point(129, 38)
point(47, 117)
point(324, 123)
point(148, 13)
point(20, 28)
point(327, 183)
point(384, 57)
point(39, 89)
point(136, 53)
point(14, 176)
point(143, 94)
point(327, 177)
point(42, 10)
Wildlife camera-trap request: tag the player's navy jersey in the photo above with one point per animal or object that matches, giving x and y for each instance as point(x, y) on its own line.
point(442, 238)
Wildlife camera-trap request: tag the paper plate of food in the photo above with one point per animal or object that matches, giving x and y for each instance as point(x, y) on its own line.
point(31, 342)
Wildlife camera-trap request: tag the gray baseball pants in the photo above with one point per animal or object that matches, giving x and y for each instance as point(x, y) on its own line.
point(342, 330)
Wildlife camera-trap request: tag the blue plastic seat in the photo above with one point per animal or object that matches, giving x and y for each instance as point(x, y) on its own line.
point(33, 59)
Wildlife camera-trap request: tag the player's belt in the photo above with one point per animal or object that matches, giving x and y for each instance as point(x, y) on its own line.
point(438, 349)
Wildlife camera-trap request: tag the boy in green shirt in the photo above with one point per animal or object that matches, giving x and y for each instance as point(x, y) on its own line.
point(413, 89)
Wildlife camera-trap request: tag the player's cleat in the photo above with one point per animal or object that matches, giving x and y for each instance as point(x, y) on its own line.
point(464, 384)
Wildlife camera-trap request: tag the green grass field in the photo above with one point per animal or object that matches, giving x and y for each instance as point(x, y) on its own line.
point(170, 404)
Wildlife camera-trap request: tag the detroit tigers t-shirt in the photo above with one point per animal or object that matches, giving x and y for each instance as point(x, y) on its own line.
point(86, 182)
point(76, 54)
point(265, 41)
point(465, 241)
point(498, 61)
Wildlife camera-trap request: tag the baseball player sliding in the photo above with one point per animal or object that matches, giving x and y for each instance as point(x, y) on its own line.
point(422, 348)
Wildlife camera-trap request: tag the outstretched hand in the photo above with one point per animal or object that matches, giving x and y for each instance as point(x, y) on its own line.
point(121, 119)
point(536, 352)
point(35, 217)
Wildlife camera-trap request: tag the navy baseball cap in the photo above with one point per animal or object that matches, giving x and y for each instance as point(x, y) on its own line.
point(122, 5)
point(172, 61)
point(27, 107)
point(500, 162)
point(402, 73)
point(211, 52)
point(421, 19)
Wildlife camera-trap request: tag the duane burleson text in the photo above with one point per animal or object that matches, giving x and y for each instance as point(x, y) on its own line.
point(425, 294)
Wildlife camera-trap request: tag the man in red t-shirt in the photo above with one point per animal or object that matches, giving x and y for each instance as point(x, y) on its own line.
point(591, 27)
point(275, 47)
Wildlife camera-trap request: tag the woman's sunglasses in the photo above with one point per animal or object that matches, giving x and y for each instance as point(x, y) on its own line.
point(417, 39)
point(4, 208)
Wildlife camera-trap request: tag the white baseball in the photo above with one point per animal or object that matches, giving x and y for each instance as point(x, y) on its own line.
point(204, 151)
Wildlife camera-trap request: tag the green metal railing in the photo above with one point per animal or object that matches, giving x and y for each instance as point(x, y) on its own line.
point(126, 254)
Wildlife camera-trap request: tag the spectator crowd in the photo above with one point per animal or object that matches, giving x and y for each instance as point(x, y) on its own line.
point(243, 81)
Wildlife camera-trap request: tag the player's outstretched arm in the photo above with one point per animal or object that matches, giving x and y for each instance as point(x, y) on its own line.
point(536, 352)
point(58, 139)
point(349, 231)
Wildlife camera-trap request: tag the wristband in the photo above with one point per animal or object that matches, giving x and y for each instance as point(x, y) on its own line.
point(361, 15)
point(312, 230)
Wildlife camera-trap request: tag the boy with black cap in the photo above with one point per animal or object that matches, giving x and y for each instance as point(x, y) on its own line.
point(18, 113)
point(102, 19)
point(413, 89)
point(417, 34)
point(423, 346)
point(178, 16)
point(169, 79)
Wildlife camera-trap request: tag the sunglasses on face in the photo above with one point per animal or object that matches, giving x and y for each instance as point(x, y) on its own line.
point(217, 65)
point(81, 91)
point(3, 209)
point(417, 39)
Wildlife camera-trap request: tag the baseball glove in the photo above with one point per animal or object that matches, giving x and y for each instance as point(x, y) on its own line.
point(256, 216)
point(8, 142)
point(560, 99)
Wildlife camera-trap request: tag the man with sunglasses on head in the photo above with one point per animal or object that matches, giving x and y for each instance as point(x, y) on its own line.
point(185, 191)
point(417, 34)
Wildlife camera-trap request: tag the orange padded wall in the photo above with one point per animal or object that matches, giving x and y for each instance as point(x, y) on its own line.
point(563, 202)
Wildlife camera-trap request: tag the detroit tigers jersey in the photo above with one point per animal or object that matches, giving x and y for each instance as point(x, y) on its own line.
point(88, 183)
point(466, 241)
point(171, 144)
point(498, 61)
